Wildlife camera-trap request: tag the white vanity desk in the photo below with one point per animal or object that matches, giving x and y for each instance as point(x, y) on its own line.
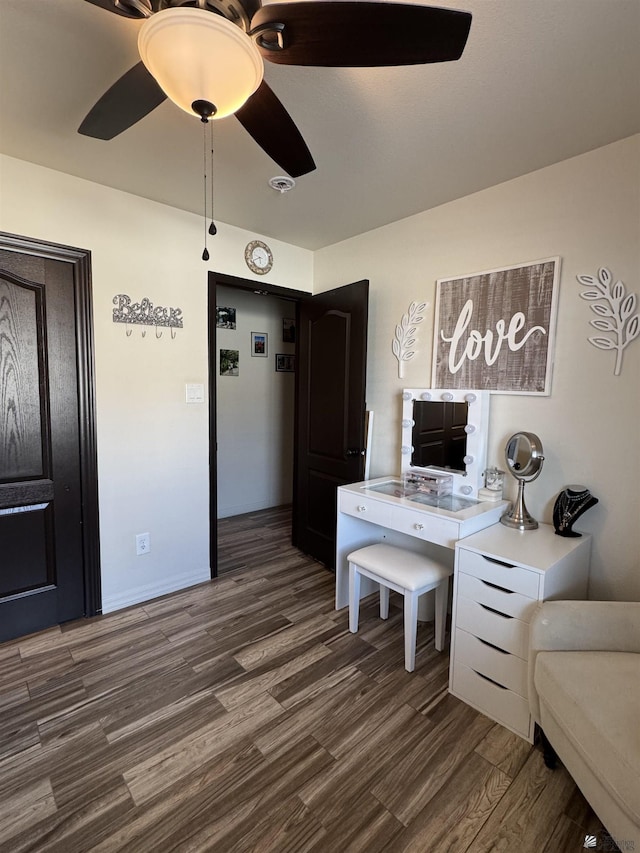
point(501, 573)
point(380, 510)
point(500, 577)
point(376, 511)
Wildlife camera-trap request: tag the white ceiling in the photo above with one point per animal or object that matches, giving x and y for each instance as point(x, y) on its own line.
point(540, 81)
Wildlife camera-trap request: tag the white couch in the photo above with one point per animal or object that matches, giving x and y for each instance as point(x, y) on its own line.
point(584, 692)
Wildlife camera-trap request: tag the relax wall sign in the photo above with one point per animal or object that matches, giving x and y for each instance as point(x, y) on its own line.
point(494, 330)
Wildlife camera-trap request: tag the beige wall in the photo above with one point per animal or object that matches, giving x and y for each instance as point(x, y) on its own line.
point(587, 211)
point(153, 448)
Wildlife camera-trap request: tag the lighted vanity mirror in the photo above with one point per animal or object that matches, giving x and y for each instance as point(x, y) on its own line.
point(438, 438)
point(446, 431)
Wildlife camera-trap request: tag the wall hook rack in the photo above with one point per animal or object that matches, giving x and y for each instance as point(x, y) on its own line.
point(145, 313)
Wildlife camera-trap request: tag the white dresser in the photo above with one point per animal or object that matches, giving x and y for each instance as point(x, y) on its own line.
point(501, 575)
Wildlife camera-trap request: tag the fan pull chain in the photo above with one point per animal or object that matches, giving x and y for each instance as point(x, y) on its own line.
point(212, 228)
point(205, 254)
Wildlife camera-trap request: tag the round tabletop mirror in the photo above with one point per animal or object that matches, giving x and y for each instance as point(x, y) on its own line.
point(524, 459)
point(524, 455)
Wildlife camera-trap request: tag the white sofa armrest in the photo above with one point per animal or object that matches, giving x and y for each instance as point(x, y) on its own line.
point(602, 626)
point(581, 626)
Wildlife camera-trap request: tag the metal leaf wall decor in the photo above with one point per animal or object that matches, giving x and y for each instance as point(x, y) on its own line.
point(404, 337)
point(616, 310)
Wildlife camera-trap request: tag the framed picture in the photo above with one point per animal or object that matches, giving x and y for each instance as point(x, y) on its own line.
point(259, 344)
point(229, 362)
point(285, 363)
point(288, 331)
point(225, 317)
point(495, 330)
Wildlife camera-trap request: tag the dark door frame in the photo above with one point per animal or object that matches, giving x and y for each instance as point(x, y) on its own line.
point(262, 289)
point(80, 259)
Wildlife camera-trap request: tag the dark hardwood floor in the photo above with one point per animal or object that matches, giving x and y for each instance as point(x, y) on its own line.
point(246, 541)
point(241, 715)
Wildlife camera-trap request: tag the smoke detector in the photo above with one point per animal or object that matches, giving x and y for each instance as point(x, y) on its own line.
point(282, 183)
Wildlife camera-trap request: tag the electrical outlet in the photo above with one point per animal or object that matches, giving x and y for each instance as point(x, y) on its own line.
point(143, 543)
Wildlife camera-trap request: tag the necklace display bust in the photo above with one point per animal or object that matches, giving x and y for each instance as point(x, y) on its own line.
point(571, 503)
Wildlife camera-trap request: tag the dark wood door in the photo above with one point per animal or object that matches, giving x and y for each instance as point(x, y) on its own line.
point(330, 412)
point(42, 553)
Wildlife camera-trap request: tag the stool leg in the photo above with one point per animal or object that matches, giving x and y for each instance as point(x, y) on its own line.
point(354, 598)
point(410, 629)
point(384, 602)
point(442, 599)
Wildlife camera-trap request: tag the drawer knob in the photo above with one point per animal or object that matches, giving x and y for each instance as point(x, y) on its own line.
point(419, 526)
point(362, 508)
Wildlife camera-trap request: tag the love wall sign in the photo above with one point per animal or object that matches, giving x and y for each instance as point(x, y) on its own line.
point(494, 330)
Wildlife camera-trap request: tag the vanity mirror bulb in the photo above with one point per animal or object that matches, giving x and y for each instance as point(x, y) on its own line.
point(447, 397)
point(406, 450)
point(466, 490)
point(469, 428)
point(407, 424)
point(406, 395)
point(426, 396)
point(467, 460)
point(470, 398)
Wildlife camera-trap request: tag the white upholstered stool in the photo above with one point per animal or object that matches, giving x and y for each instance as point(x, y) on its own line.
point(405, 572)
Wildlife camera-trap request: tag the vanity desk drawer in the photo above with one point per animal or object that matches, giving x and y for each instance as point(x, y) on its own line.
point(376, 512)
point(503, 574)
point(501, 666)
point(496, 597)
point(505, 632)
point(498, 702)
point(414, 522)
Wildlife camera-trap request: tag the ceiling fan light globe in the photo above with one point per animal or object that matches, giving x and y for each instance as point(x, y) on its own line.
point(195, 55)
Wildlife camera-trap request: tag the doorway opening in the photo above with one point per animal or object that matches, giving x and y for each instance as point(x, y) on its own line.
point(252, 348)
point(250, 540)
point(329, 403)
point(254, 364)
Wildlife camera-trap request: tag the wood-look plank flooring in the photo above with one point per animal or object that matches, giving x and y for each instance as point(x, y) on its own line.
point(241, 715)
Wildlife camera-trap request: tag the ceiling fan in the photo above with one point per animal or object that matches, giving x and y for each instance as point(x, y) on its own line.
point(330, 33)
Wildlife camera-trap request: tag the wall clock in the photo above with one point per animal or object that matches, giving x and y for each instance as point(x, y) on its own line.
point(258, 257)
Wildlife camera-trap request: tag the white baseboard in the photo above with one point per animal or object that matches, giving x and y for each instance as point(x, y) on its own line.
point(140, 594)
point(241, 509)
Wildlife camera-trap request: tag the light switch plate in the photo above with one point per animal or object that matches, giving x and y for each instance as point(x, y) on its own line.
point(194, 392)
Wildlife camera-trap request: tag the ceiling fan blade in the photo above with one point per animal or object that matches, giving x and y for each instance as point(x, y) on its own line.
point(130, 98)
point(357, 33)
point(126, 8)
point(266, 120)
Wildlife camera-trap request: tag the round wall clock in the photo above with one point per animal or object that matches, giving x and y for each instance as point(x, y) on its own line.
point(258, 257)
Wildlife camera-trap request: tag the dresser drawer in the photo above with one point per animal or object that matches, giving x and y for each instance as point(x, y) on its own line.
point(505, 575)
point(503, 667)
point(495, 701)
point(368, 510)
point(497, 597)
point(431, 528)
point(505, 632)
